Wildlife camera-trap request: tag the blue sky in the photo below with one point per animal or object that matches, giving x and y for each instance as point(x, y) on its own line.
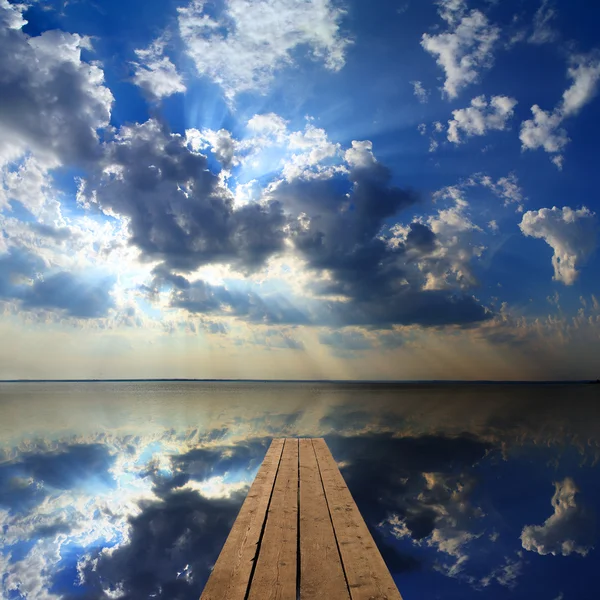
point(274, 189)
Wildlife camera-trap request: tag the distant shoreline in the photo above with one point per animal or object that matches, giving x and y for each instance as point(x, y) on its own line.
point(319, 381)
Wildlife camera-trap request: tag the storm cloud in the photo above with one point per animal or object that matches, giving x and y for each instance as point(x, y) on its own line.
point(335, 226)
point(179, 212)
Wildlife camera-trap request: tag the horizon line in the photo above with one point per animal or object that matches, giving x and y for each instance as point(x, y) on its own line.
point(358, 381)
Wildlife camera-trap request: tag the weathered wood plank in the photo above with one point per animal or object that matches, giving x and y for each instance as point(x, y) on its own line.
point(366, 572)
point(276, 568)
point(230, 577)
point(321, 573)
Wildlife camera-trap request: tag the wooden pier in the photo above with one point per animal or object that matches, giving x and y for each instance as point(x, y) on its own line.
point(299, 534)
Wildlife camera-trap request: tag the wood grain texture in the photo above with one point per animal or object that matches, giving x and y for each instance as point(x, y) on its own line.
point(276, 567)
point(321, 573)
point(367, 575)
point(231, 574)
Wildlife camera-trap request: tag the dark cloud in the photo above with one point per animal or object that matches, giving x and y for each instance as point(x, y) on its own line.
point(25, 482)
point(200, 464)
point(429, 308)
point(78, 297)
point(65, 468)
point(203, 463)
point(24, 278)
point(391, 470)
point(51, 529)
point(404, 306)
point(421, 238)
point(179, 211)
point(338, 231)
point(175, 541)
point(17, 267)
point(50, 101)
point(201, 297)
point(173, 544)
point(182, 215)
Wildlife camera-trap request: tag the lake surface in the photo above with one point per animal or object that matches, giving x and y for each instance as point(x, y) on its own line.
point(128, 490)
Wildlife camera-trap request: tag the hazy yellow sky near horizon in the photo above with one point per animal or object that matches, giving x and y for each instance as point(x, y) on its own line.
point(56, 351)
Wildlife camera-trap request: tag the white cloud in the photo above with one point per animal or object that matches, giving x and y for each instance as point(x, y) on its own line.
point(437, 128)
point(570, 233)
point(215, 487)
point(360, 155)
point(422, 128)
point(558, 161)
point(507, 188)
point(31, 577)
point(27, 183)
point(155, 73)
point(310, 148)
point(569, 530)
point(449, 264)
point(269, 124)
point(82, 517)
point(506, 574)
point(482, 116)
point(242, 48)
point(86, 516)
point(248, 192)
point(448, 498)
point(11, 15)
point(584, 70)
point(221, 143)
point(465, 49)
point(51, 102)
point(461, 237)
point(543, 32)
point(545, 129)
point(304, 153)
point(420, 92)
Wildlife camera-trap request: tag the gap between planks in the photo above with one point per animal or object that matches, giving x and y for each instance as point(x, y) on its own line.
point(312, 542)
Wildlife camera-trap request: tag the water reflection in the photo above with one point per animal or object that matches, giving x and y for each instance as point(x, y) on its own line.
point(129, 490)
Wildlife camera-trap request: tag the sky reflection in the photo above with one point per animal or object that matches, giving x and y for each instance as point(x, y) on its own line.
point(129, 490)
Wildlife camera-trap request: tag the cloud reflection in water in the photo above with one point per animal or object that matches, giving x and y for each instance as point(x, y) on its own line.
point(129, 490)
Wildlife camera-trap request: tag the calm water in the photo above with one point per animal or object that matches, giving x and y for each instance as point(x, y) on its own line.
point(128, 490)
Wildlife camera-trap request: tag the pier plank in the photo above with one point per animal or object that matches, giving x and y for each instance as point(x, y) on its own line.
point(321, 573)
point(231, 574)
point(277, 567)
point(299, 535)
point(367, 575)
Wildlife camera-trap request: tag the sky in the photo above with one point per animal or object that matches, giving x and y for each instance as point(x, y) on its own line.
point(129, 490)
point(273, 189)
